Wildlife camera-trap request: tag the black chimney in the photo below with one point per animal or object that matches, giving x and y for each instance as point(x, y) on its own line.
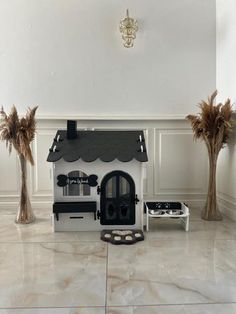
point(71, 129)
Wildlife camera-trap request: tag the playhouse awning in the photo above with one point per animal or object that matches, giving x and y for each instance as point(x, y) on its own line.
point(103, 145)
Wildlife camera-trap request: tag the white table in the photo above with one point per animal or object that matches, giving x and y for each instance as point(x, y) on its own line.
point(167, 210)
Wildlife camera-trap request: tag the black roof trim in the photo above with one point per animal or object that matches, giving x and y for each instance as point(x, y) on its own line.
point(104, 145)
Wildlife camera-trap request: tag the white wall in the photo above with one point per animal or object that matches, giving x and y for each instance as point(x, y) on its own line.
point(67, 56)
point(226, 49)
point(227, 177)
point(226, 84)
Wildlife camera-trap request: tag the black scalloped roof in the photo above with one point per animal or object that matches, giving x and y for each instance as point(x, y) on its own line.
point(103, 145)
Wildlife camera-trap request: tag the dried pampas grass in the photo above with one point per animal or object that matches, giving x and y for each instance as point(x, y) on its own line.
point(213, 125)
point(18, 132)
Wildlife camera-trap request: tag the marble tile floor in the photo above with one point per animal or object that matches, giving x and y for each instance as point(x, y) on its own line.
point(171, 272)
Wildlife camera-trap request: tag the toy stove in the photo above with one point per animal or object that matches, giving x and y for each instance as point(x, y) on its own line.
point(97, 179)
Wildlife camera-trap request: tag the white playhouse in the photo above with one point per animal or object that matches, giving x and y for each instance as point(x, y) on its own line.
point(97, 179)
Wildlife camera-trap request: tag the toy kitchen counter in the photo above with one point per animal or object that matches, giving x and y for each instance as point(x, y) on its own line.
point(97, 179)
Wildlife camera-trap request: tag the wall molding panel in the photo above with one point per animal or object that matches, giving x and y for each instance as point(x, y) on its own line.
point(9, 180)
point(226, 177)
point(180, 164)
point(41, 184)
point(176, 170)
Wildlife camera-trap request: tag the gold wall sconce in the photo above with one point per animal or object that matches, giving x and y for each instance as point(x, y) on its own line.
point(128, 29)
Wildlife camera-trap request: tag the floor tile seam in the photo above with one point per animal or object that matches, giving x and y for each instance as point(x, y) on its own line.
point(99, 241)
point(106, 278)
point(53, 307)
point(117, 306)
point(43, 242)
point(171, 304)
point(195, 240)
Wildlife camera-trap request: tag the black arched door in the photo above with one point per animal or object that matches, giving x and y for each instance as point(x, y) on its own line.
point(117, 199)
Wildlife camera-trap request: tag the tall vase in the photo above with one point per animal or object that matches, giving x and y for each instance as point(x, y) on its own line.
point(211, 211)
point(24, 213)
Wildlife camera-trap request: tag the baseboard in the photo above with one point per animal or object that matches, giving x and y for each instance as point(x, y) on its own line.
point(227, 207)
point(8, 207)
point(11, 207)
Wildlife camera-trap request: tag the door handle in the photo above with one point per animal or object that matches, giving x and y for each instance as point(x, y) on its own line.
point(136, 200)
